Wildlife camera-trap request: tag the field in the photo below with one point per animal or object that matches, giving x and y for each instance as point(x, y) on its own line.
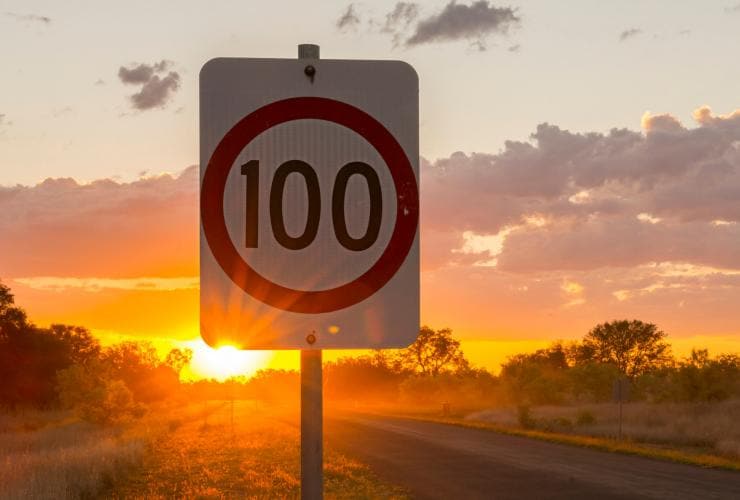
point(707, 428)
point(51, 455)
point(190, 451)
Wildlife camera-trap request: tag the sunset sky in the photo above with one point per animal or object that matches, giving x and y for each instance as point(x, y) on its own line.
point(578, 165)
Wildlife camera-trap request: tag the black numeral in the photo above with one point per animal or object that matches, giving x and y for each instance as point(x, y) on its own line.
point(376, 206)
point(313, 216)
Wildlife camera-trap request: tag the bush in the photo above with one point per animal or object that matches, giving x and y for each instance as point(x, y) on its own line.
point(95, 397)
point(524, 417)
point(474, 388)
point(585, 417)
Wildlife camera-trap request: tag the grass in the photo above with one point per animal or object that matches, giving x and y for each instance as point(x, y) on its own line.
point(656, 451)
point(708, 426)
point(55, 456)
point(205, 457)
point(180, 451)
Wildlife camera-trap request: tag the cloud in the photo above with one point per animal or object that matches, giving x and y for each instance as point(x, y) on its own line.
point(349, 19)
point(402, 15)
point(732, 9)
point(57, 284)
point(629, 33)
point(584, 201)
point(579, 227)
point(156, 90)
point(104, 229)
point(398, 21)
point(29, 18)
point(474, 22)
point(4, 123)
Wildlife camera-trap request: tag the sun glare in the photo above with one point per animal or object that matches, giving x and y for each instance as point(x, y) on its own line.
point(224, 362)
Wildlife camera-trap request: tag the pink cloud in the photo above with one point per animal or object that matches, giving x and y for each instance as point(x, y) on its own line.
point(59, 227)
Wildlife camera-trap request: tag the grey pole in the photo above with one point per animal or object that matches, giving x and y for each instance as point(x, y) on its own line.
point(312, 424)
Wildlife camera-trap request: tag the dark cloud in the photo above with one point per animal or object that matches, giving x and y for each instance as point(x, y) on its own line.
point(733, 9)
point(29, 18)
point(349, 19)
point(402, 15)
point(474, 22)
point(583, 200)
point(629, 33)
point(156, 89)
point(156, 92)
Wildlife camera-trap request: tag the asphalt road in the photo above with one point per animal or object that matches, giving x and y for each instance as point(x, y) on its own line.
point(442, 461)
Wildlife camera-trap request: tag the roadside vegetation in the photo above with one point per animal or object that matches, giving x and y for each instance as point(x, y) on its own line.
point(79, 420)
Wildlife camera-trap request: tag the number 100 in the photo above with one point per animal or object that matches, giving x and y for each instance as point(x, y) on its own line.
point(251, 171)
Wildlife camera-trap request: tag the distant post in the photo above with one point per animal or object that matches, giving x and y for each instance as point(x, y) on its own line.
point(620, 394)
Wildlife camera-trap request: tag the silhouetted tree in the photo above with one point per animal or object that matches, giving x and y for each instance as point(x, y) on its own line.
point(13, 319)
point(177, 359)
point(633, 347)
point(138, 366)
point(434, 352)
point(30, 356)
point(537, 378)
point(94, 396)
point(79, 343)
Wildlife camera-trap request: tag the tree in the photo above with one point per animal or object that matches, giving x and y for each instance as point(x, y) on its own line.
point(94, 396)
point(177, 359)
point(138, 366)
point(434, 352)
point(13, 319)
point(633, 347)
point(537, 378)
point(79, 343)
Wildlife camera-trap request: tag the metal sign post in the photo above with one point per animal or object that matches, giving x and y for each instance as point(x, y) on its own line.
point(312, 426)
point(312, 397)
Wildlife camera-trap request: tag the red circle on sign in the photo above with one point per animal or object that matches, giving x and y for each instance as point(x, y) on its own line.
point(252, 282)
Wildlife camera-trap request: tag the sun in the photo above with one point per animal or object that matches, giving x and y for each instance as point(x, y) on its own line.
point(224, 362)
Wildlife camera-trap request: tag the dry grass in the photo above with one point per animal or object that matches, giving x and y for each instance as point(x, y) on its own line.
point(57, 457)
point(186, 451)
point(709, 428)
point(706, 435)
point(204, 457)
point(605, 444)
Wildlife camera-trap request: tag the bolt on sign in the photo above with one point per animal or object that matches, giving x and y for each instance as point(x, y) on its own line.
point(309, 232)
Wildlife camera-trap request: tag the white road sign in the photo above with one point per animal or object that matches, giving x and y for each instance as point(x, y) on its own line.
point(309, 203)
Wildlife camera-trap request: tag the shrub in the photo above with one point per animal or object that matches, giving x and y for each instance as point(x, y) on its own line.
point(524, 417)
point(95, 397)
point(585, 417)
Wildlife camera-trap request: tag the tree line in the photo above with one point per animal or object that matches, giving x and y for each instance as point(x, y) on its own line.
point(65, 366)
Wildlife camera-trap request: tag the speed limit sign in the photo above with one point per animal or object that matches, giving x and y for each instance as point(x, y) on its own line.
point(309, 203)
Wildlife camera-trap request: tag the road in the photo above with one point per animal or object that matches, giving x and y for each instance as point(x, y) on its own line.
point(442, 461)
